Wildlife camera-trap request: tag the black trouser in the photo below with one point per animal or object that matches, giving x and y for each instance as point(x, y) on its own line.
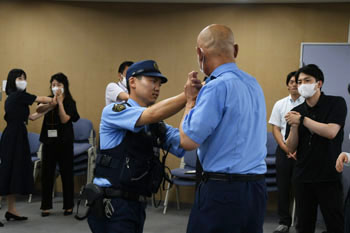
point(329, 195)
point(284, 168)
point(347, 213)
point(63, 155)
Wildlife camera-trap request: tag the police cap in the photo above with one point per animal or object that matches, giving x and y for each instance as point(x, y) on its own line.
point(145, 68)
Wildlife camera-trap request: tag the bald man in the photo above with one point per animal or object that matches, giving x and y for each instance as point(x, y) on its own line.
point(227, 123)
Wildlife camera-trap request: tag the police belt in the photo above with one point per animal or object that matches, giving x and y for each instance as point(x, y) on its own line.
point(117, 193)
point(231, 177)
point(107, 161)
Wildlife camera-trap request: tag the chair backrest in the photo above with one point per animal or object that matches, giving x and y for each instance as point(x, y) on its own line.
point(34, 142)
point(190, 158)
point(271, 144)
point(82, 130)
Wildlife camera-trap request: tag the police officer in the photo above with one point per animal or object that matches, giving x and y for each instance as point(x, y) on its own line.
point(128, 167)
point(228, 123)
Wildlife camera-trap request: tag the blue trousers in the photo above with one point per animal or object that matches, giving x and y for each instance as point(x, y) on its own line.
point(229, 207)
point(128, 217)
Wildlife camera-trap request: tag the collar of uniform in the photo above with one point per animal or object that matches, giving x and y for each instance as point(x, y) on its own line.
point(300, 99)
point(223, 68)
point(132, 102)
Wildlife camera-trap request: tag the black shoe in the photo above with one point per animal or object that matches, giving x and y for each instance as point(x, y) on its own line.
point(67, 212)
point(45, 214)
point(10, 216)
point(1, 224)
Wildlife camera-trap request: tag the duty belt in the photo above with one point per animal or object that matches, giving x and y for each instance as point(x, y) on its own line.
point(113, 193)
point(107, 161)
point(231, 177)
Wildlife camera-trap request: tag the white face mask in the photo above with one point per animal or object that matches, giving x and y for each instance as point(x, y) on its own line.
point(123, 82)
point(21, 85)
point(307, 90)
point(55, 89)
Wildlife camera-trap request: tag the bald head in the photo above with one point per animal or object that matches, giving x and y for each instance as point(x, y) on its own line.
point(217, 40)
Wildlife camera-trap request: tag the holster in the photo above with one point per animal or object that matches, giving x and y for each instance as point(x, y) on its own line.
point(93, 196)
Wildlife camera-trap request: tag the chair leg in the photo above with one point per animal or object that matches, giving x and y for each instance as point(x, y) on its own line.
point(293, 213)
point(166, 199)
point(177, 196)
point(91, 164)
point(34, 176)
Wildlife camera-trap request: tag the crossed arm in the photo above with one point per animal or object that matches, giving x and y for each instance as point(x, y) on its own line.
point(326, 130)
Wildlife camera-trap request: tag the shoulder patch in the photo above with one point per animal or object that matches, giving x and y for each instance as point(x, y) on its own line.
point(118, 107)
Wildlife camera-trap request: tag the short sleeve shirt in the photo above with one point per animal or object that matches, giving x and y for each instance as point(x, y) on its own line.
point(229, 123)
point(316, 155)
point(52, 121)
point(280, 109)
point(17, 106)
point(114, 125)
point(112, 92)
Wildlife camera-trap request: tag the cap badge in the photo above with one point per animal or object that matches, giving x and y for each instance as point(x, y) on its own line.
point(155, 66)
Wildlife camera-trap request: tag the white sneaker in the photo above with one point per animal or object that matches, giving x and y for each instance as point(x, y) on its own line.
point(281, 229)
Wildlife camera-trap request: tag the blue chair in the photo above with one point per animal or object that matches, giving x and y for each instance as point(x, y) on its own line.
point(84, 148)
point(270, 159)
point(183, 176)
point(35, 152)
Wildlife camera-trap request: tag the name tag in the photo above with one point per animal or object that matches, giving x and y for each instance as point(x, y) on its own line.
point(52, 133)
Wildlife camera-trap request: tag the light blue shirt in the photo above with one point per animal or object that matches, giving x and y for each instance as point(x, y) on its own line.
point(229, 123)
point(114, 126)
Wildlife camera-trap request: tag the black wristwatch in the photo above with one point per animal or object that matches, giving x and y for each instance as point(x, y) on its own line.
point(301, 120)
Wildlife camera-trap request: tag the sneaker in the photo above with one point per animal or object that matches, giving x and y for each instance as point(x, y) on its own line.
point(281, 229)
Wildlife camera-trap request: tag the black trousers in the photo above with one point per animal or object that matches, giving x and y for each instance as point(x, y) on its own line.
point(329, 196)
point(347, 213)
point(53, 154)
point(284, 169)
point(128, 217)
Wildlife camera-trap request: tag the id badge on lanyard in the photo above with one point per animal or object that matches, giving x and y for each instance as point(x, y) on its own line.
point(52, 133)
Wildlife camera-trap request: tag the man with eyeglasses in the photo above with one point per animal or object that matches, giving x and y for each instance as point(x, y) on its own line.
point(284, 165)
point(117, 92)
point(315, 134)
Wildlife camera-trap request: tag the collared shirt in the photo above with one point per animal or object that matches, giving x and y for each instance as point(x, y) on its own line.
point(112, 92)
point(229, 123)
point(114, 125)
point(317, 155)
point(280, 109)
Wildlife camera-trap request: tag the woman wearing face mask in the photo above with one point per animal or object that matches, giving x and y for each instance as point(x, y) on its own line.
point(57, 137)
point(16, 172)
